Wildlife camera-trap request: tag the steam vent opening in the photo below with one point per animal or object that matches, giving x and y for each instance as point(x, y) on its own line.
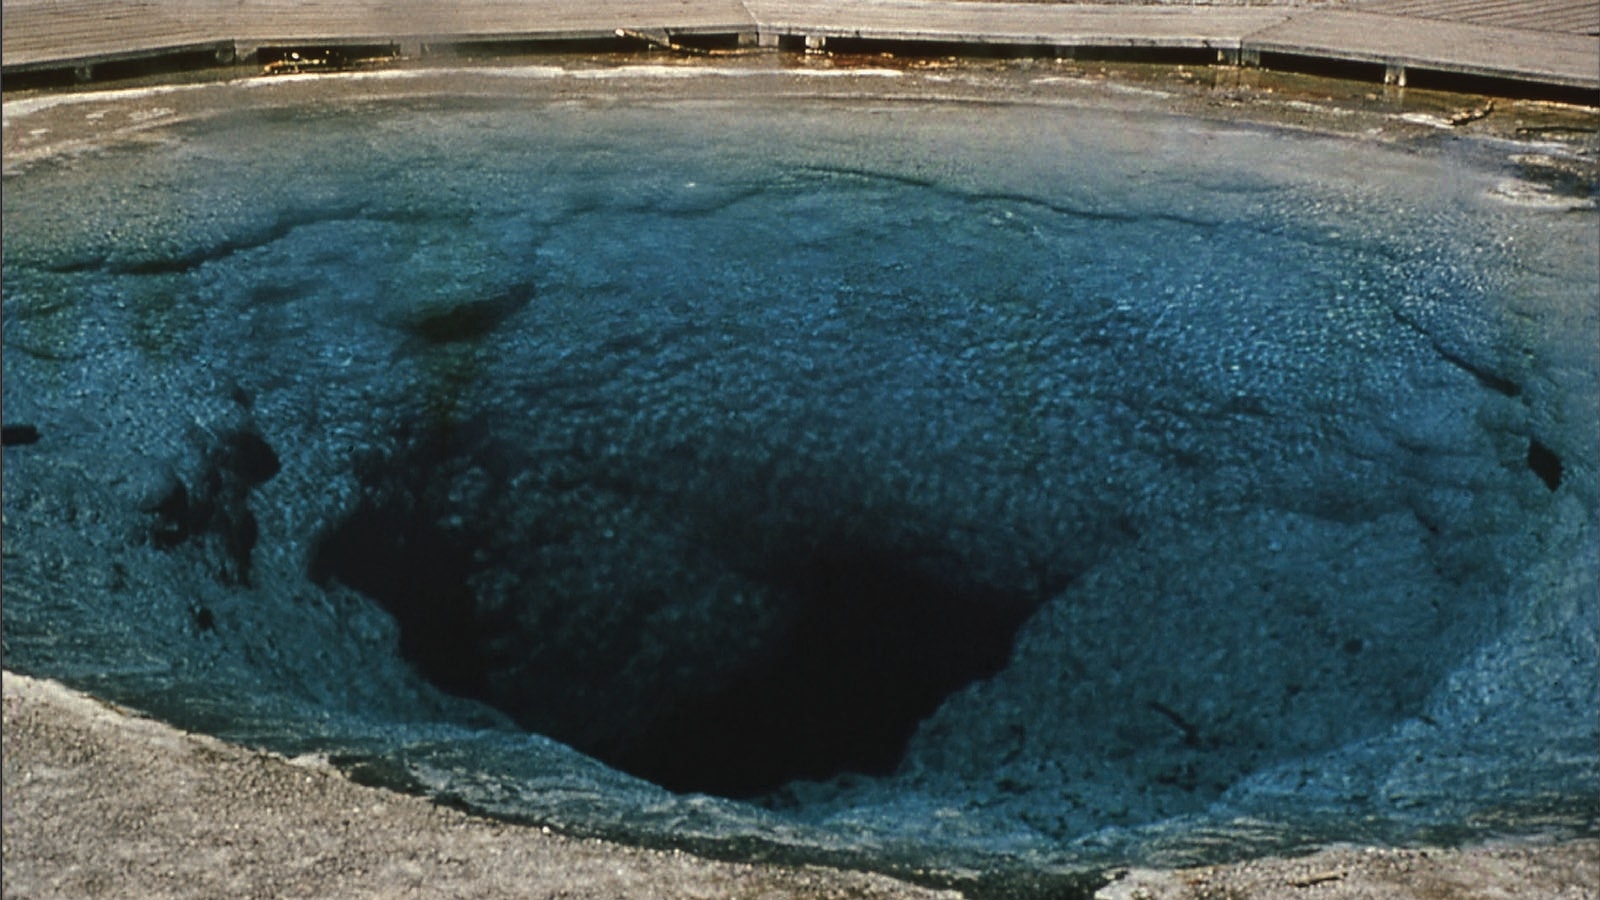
point(967, 470)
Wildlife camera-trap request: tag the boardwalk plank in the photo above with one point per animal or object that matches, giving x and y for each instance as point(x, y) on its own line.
point(1565, 59)
point(38, 31)
point(257, 19)
point(1570, 16)
point(1030, 23)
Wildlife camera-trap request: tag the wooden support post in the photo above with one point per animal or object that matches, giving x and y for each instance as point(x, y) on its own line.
point(83, 73)
point(1395, 74)
point(768, 39)
point(1247, 57)
point(816, 43)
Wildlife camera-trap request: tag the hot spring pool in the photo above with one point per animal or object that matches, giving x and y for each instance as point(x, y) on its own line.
point(820, 469)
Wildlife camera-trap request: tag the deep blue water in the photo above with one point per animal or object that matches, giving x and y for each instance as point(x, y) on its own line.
point(1072, 470)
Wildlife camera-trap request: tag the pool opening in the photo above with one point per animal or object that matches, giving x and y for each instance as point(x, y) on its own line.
point(873, 647)
point(855, 638)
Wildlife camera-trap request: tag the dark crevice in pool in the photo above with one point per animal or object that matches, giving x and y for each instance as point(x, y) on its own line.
point(1494, 381)
point(1083, 213)
point(419, 574)
point(189, 259)
point(863, 636)
point(873, 648)
point(1545, 463)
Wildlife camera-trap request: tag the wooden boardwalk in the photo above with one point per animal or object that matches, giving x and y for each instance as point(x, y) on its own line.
point(52, 34)
point(1044, 24)
point(1539, 42)
point(1399, 44)
point(1569, 16)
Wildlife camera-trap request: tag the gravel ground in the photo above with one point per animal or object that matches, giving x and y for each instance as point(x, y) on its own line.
point(101, 803)
point(1551, 870)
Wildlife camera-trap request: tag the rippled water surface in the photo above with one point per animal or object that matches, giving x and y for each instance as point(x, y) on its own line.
point(902, 483)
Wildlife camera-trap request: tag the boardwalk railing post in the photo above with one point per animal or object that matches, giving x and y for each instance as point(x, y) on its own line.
point(1240, 56)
